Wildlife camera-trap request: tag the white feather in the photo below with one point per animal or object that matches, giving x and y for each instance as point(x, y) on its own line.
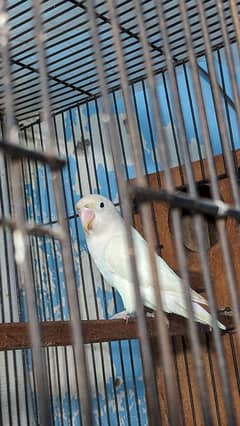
point(107, 244)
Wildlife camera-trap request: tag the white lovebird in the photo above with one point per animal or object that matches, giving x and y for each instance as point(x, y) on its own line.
point(106, 238)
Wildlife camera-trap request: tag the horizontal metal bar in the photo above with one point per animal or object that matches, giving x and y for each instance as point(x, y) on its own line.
point(16, 151)
point(33, 228)
point(58, 333)
point(205, 206)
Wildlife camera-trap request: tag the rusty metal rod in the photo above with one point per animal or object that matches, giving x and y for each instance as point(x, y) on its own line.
point(198, 224)
point(149, 377)
point(162, 335)
point(230, 60)
point(164, 155)
point(218, 105)
point(82, 378)
point(235, 17)
point(212, 165)
point(22, 260)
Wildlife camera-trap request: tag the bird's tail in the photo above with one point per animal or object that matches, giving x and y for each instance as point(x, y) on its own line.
point(203, 316)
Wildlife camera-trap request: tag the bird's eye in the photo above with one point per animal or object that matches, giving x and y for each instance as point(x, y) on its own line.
point(102, 204)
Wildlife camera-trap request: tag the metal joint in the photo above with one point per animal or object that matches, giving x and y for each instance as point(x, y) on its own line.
point(17, 152)
point(33, 228)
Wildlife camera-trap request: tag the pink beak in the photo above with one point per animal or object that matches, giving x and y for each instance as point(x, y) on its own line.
point(87, 216)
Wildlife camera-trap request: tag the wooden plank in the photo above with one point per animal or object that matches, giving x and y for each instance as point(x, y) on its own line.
point(58, 333)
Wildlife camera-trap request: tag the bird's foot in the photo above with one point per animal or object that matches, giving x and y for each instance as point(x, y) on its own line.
point(167, 321)
point(152, 314)
point(122, 315)
point(227, 311)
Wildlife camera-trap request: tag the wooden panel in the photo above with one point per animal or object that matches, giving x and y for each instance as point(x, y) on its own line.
point(183, 358)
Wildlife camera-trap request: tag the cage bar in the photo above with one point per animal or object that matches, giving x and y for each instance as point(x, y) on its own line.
point(137, 101)
point(24, 264)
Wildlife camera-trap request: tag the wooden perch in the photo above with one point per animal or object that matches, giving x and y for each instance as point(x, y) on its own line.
point(58, 333)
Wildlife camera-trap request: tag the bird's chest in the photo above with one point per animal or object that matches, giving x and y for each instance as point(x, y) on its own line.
point(96, 249)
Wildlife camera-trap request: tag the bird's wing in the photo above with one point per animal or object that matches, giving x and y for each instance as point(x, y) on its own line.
point(116, 255)
point(172, 301)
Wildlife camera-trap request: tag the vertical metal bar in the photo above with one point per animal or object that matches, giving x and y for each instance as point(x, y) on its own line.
point(9, 305)
point(79, 252)
point(6, 316)
point(218, 105)
point(235, 19)
point(213, 175)
point(116, 111)
point(124, 156)
point(90, 261)
point(54, 243)
point(66, 203)
point(67, 255)
point(80, 261)
point(175, 217)
point(28, 406)
point(155, 150)
point(33, 388)
point(235, 362)
point(213, 380)
point(42, 278)
point(174, 339)
point(192, 189)
point(146, 172)
point(162, 334)
point(193, 411)
point(180, 165)
point(176, 144)
point(230, 60)
point(15, 171)
point(227, 107)
point(194, 122)
point(114, 295)
point(150, 380)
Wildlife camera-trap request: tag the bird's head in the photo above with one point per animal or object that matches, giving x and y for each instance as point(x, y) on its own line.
point(96, 213)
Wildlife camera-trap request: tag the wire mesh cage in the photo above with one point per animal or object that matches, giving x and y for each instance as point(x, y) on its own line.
point(136, 101)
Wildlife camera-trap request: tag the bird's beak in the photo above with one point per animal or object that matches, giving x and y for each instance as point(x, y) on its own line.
point(87, 216)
